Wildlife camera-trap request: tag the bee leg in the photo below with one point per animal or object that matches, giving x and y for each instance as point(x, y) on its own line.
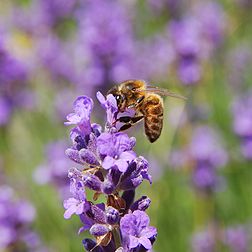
point(124, 119)
point(136, 119)
point(129, 121)
point(138, 101)
point(125, 126)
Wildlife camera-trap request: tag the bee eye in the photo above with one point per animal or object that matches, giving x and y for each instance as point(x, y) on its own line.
point(118, 98)
point(133, 89)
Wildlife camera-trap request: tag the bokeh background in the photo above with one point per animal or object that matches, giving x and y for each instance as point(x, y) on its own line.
point(52, 51)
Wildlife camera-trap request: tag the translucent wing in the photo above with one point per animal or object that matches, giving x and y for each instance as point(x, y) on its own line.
point(163, 92)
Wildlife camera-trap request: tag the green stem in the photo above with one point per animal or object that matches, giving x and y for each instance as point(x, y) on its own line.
point(117, 238)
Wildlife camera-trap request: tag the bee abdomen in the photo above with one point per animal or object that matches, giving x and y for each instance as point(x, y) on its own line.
point(153, 122)
point(153, 126)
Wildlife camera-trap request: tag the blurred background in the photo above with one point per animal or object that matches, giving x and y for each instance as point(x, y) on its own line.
point(52, 51)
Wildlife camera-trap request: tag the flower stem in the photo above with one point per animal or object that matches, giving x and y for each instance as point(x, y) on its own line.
point(117, 238)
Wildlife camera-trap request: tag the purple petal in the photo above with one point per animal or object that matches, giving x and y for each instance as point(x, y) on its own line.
point(79, 208)
point(133, 241)
point(145, 242)
point(126, 223)
point(69, 202)
point(82, 229)
point(122, 165)
point(82, 109)
point(127, 155)
point(108, 162)
point(100, 97)
point(69, 212)
point(105, 144)
point(149, 232)
point(72, 118)
point(142, 218)
point(88, 222)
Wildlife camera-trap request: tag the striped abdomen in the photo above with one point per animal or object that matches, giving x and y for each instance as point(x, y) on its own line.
point(152, 109)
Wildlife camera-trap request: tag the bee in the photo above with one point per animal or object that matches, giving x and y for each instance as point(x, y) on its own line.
point(147, 103)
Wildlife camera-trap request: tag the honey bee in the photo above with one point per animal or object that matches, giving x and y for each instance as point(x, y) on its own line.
point(147, 103)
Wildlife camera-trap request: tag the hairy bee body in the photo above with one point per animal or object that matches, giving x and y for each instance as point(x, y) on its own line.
point(146, 102)
point(152, 109)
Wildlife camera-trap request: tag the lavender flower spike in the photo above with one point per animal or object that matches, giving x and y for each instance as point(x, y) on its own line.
point(108, 165)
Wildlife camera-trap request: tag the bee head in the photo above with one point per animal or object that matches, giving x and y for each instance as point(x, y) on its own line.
point(119, 96)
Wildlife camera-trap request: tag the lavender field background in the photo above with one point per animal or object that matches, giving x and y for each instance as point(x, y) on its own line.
point(52, 51)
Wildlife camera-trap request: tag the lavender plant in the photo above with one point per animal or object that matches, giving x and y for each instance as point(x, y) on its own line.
point(242, 123)
point(16, 217)
point(13, 83)
point(54, 169)
point(196, 36)
point(111, 168)
point(234, 239)
point(208, 155)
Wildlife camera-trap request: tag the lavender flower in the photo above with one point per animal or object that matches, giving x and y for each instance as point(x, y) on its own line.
point(187, 42)
point(109, 166)
point(237, 239)
point(75, 204)
point(203, 242)
point(239, 60)
point(107, 38)
point(195, 37)
point(208, 154)
point(13, 82)
point(117, 150)
point(40, 16)
point(136, 230)
point(55, 169)
point(56, 10)
point(212, 20)
point(16, 217)
point(242, 123)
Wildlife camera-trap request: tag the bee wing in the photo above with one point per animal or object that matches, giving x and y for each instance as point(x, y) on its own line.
point(163, 92)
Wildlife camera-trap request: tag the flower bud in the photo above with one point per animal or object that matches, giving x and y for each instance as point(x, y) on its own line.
point(108, 187)
point(112, 215)
point(88, 157)
point(141, 204)
point(73, 155)
point(99, 229)
point(92, 182)
point(90, 245)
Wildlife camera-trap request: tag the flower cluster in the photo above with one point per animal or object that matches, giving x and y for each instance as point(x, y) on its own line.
point(195, 36)
point(16, 217)
point(205, 155)
point(54, 170)
point(234, 238)
point(242, 125)
point(110, 168)
point(13, 82)
point(209, 155)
